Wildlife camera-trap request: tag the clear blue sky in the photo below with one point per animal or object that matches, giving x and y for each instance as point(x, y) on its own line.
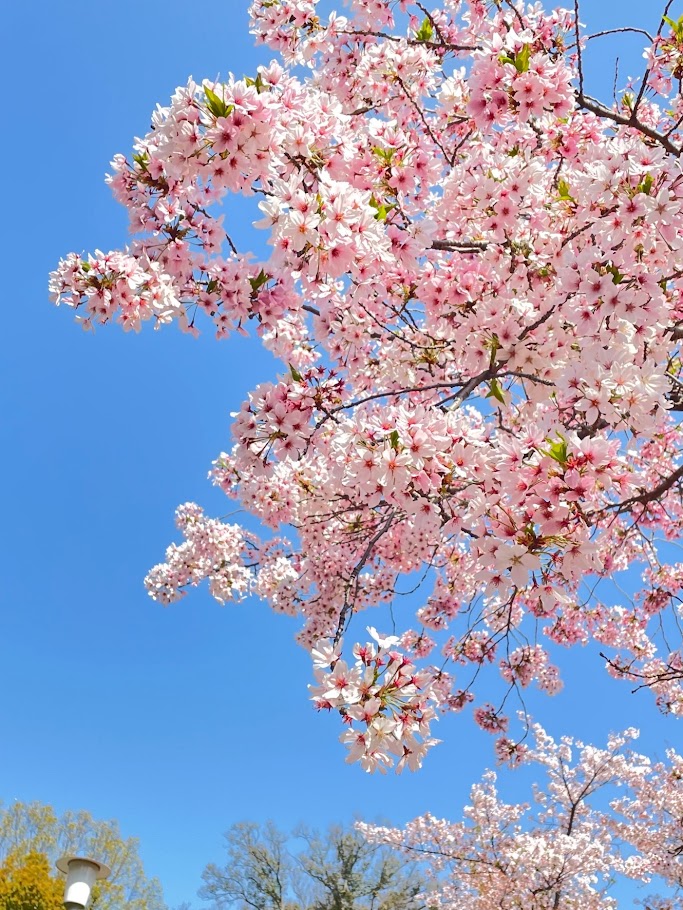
point(111, 703)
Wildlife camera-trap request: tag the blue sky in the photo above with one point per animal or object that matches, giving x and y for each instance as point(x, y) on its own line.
point(112, 703)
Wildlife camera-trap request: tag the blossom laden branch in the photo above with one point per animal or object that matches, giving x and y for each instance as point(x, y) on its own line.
point(632, 121)
point(474, 287)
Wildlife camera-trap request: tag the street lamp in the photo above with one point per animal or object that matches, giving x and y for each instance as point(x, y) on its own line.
point(81, 874)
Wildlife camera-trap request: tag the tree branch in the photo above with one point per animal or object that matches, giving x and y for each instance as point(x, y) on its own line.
point(463, 246)
point(650, 495)
point(595, 107)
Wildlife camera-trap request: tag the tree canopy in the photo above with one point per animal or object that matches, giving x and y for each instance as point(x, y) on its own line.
point(28, 882)
point(333, 870)
point(33, 837)
point(475, 292)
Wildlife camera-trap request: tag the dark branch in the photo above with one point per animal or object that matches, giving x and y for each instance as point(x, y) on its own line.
point(595, 107)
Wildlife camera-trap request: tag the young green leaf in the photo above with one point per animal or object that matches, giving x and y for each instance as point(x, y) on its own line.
point(522, 58)
point(645, 184)
point(676, 26)
point(384, 155)
point(558, 451)
point(259, 281)
point(383, 210)
point(258, 83)
point(617, 277)
point(426, 31)
point(141, 160)
point(216, 105)
point(494, 345)
point(563, 191)
point(495, 391)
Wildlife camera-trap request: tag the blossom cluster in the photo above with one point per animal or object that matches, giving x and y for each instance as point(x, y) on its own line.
point(226, 555)
point(384, 700)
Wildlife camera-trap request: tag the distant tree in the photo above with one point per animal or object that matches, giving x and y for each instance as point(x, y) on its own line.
point(334, 870)
point(33, 837)
point(348, 873)
point(26, 883)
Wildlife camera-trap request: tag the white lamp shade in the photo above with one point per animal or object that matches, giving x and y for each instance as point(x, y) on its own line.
point(81, 875)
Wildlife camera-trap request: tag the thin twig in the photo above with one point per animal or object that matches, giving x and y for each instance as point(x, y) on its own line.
point(413, 42)
point(355, 572)
point(614, 31)
point(579, 61)
point(422, 117)
point(646, 75)
point(393, 394)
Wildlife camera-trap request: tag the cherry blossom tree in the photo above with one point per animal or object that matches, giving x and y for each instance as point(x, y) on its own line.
point(603, 816)
point(475, 290)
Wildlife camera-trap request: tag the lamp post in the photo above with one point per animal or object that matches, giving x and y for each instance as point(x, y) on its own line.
point(81, 874)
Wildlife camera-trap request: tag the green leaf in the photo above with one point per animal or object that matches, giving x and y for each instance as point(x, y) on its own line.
point(217, 105)
point(494, 345)
point(259, 281)
point(426, 31)
point(296, 375)
point(382, 211)
point(393, 439)
point(521, 60)
point(676, 26)
point(384, 155)
point(563, 191)
point(645, 184)
point(495, 391)
point(258, 83)
point(142, 160)
point(617, 276)
point(558, 451)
